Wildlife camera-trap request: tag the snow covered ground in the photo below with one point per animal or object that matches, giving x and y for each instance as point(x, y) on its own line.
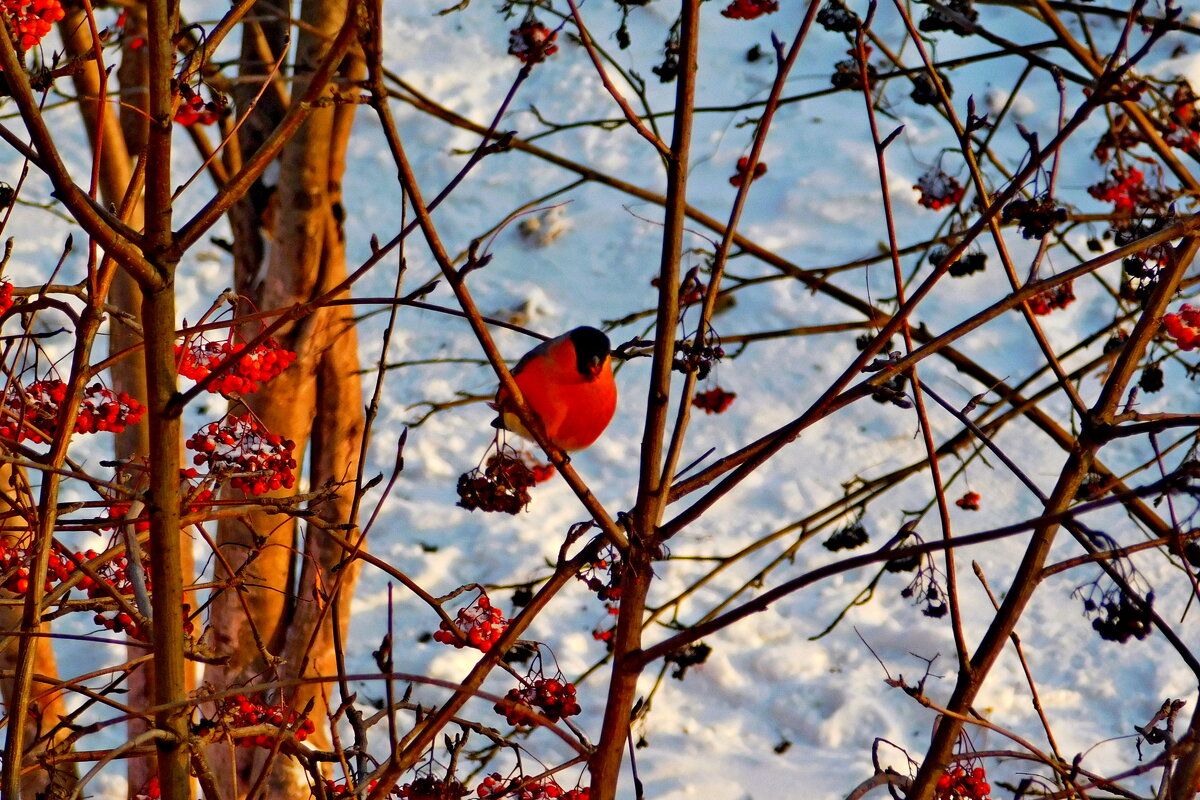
point(773, 713)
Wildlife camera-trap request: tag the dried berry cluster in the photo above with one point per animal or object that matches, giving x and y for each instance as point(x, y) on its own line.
point(714, 401)
point(688, 656)
point(1035, 217)
point(924, 91)
point(958, 784)
point(1052, 299)
point(31, 19)
point(1119, 617)
point(1184, 327)
point(696, 357)
point(958, 18)
point(836, 17)
point(495, 785)
point(256, 460)
point(32, 413)
point(924, 590)
point(481, 623)
point(241, 711)
point(968, 264)
point(1177, 115)
point(553, 698)
point(532, 43)
point(847, 538)
point(503, 485)
point(848, 75)
point(199, 357)
point(938, 189)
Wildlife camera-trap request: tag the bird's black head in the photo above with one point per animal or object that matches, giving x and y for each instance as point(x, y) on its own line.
point(591, 348)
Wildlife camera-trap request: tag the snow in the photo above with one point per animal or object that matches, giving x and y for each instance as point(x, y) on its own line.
point(721, 732)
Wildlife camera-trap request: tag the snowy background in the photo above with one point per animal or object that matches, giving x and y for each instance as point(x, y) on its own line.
point(773, 713)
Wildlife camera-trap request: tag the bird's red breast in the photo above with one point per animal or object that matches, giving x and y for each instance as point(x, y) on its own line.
point(568, 382)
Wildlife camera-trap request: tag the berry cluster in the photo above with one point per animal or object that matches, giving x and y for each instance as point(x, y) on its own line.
point(14, 568)
point(697, 357)
point(553, 698)
point(607, 565)
point(714, 401)
point(241, 711)
point(121, 622)
point(1035, 218)
point(1183, 119)
point(1184, 326)
point(602, 633)
point(749, 9)
point(1124, 188)
point(196, 497)
point(958, 784)
point(6, 297)
point(969, 501)
point(115, 577)
point(256, 460)
point(1052, 299)
point(938, 189)
point(347, 791)
point(151, 791)
point(194, 111)
point(31, 19)
point(428, 787)
point(532, 43)
point(743, 171)
point(37, 405)
point(936, 20)
point(495, 785)
point(481, 623)
point(102, 409)
point(503, 485)
point(198, 357)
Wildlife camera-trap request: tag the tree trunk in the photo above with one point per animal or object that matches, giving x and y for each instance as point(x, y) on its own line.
point(289, 597)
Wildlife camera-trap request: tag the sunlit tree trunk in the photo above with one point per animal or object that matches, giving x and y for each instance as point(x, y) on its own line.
point(42, 730)
point(286, 584)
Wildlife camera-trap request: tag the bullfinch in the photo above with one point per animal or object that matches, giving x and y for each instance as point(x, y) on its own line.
point(568, 382)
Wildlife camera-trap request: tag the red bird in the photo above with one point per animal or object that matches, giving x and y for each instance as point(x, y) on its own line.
point(568, 382)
